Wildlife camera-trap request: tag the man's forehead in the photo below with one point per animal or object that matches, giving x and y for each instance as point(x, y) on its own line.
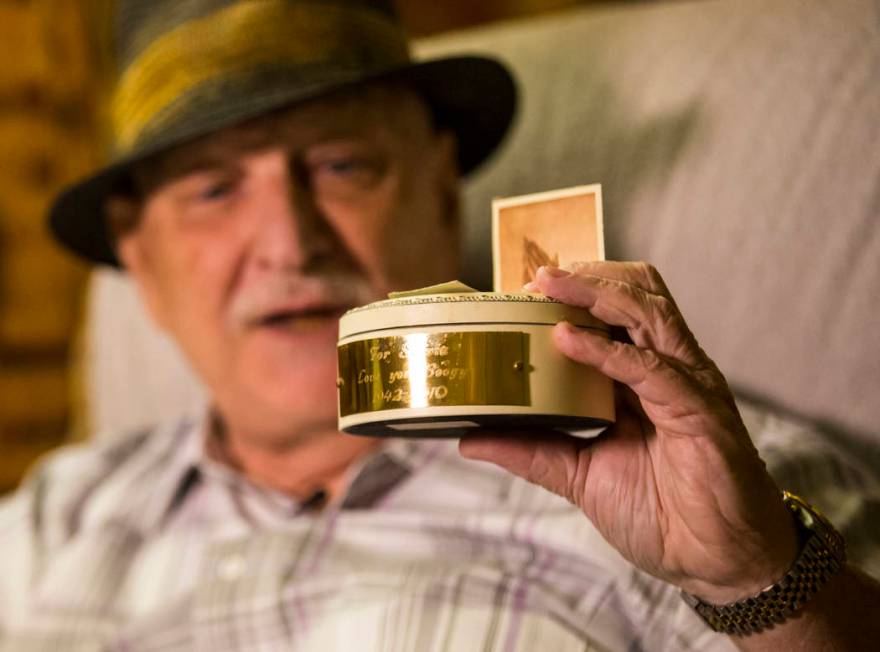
point(360, 112)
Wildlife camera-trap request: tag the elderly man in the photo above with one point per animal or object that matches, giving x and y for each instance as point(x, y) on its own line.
point(279, 163)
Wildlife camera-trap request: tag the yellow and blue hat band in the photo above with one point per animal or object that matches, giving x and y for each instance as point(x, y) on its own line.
point(241, 38)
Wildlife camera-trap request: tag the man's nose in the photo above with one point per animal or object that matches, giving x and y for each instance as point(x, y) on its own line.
point(291, 231)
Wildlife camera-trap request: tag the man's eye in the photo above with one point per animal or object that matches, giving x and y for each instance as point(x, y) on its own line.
point(348, 168)
point(344, 166)
point(340, 177)
point(215, 191)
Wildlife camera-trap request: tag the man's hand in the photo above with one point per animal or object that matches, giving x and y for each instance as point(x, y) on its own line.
point(675, 484)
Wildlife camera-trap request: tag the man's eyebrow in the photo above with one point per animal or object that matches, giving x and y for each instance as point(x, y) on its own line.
point(194, 164)
point(213, 155)
point(153, 174)
point(218, 153)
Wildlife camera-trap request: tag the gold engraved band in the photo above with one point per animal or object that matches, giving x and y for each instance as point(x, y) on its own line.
point(434, 369)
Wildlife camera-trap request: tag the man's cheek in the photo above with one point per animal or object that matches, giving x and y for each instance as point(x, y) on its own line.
point(367, 246)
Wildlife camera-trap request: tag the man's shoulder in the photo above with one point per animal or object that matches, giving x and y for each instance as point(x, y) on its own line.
point(84, 482)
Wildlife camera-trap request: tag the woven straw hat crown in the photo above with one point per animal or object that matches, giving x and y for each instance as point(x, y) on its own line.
point(187, 68)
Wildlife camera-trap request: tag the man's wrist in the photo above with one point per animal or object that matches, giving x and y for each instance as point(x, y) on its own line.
point(821, 557)
point(767, 563)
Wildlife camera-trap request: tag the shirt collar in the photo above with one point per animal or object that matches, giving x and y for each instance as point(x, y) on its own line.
point(372, 478)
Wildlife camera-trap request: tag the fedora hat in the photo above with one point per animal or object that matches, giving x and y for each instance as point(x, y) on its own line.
point(191, 67)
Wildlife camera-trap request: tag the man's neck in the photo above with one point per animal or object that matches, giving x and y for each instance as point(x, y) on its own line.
point(300, 467)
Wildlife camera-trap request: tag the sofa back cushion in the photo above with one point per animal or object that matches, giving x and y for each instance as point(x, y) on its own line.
point(738, 145)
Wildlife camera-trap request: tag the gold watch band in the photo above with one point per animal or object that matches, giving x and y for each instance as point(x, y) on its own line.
point(822, 555)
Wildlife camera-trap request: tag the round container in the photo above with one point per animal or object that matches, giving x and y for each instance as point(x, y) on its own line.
point(442, 364)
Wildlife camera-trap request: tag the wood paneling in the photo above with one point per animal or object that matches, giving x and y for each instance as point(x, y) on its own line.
point(50, 90)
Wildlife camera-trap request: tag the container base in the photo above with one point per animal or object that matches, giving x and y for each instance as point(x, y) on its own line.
point(455, 426)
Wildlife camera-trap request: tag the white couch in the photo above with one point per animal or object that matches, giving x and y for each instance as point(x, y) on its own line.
point(738, 144)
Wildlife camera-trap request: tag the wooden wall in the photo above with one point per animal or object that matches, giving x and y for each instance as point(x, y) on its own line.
point(48, 136)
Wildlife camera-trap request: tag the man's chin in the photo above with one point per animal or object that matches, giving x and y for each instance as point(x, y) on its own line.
point(309, 397)
point(282, 425)
point(283, 382)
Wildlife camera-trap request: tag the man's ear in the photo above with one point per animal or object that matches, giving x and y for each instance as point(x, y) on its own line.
point(123, 215)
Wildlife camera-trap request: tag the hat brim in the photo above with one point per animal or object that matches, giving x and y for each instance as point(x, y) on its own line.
point(475, 97)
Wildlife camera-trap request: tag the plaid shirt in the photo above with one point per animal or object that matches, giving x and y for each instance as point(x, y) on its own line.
point(146, 544)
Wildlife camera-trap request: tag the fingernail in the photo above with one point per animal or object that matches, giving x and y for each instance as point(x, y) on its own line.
point(531, 286)
point(555, 272)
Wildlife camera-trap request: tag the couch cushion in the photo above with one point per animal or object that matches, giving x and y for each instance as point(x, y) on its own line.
point(738, 144)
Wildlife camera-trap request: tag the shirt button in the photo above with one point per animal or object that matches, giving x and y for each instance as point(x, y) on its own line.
point(230, 567)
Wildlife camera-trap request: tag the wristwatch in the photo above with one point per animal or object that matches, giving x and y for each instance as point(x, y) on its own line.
point(822, 555)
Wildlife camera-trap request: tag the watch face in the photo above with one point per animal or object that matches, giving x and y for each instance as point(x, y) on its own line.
point(815, 521)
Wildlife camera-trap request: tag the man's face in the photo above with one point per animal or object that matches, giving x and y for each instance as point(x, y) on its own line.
point(250, 244)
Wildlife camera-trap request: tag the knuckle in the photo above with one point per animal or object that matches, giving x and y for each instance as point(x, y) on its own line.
point(578, 267)
point(651, 361)
point(710, 377)
point(653, 279)
point(618, 350)
point(665, 310)
point(616, 357)
point(645, 269)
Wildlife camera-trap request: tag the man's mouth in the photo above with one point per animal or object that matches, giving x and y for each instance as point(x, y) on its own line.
point(301, 320)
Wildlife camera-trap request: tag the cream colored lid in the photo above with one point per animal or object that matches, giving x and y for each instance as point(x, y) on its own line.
point(462, 308)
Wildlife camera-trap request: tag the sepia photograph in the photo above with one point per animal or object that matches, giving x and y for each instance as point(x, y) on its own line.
point(555, 228)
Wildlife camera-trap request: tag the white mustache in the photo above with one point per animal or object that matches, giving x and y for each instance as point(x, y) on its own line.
point(282, 292)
